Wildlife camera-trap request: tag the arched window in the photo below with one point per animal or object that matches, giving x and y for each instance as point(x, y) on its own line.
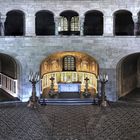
point(14, 24)
point(69, 63)
point(63, 24)
point(93, 24)
point(44, 23)
point(69, 23)
point(123, 23)
point(75, 23)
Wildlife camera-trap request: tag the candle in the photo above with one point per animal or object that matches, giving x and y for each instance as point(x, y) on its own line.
point(106, 77)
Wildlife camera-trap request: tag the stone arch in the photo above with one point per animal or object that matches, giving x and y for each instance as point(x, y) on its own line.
point(15, 23)
point(44, 23)
point(10, 70)
point(69, 23)
point(123, 23)
point(127, 74)
point(93, 24)
point(86, 66)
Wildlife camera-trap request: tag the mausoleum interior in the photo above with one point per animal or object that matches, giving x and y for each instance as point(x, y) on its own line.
point(70, 44)
point(69, 69)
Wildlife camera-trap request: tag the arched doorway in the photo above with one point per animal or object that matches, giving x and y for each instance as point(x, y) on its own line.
point(9, 78)
point(69, 67)
point(128, 74)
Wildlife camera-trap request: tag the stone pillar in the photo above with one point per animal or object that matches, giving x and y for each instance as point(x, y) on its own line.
point(56, 20)
point(108, 26)
point(135, 19)
point(138, 73)
point(30, 25)
point(2, 26)
point(82, 19)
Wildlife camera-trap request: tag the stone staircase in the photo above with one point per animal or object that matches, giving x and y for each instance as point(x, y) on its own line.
point(6, 97)
point(68, 98)
point(133, 96)
point(72, 101)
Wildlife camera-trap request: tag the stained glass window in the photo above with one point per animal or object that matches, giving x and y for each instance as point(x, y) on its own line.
point(69, 63)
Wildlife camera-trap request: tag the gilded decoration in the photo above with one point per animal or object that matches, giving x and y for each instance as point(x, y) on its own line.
point(53, 66)
point(84, 62)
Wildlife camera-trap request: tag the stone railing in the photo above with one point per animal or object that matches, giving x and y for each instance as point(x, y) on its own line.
point(69, 77)
point(9, 85)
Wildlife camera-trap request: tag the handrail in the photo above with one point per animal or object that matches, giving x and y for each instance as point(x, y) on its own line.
point(9, 85)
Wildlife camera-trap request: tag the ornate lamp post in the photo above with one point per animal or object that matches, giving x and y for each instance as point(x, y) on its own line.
point(33, 78)
point(103, 80)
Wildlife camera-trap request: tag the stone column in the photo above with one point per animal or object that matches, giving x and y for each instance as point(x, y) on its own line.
point(30, 25)
point(108, 25)
point(135, 19)
point(56, 20)
point(2, 26)
point(82, 19)
point(138, 73)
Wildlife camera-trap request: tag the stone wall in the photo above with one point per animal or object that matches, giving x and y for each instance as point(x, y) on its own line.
point(29, 51)
point(31, 7)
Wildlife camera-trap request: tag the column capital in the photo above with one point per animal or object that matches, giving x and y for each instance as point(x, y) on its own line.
point(56, 18)
point(135, 19)
point(107, 16)
point(3, 18)
point(32, 14)
point(82, 17)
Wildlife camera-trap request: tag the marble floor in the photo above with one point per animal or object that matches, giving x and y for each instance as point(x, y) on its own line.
point(120, 121)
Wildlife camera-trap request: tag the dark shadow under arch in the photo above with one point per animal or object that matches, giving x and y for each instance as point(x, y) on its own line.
point(14, 24)
point(123, 23)
point(10, 70)
point(8, 66)
point(93, 24)
point(128, 73)
point(44, 23)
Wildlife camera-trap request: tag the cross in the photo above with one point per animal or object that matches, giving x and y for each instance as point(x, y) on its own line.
point(86, 79)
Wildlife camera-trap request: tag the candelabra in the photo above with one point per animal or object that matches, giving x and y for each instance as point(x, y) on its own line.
point(33, 78)
point(103, 79)
point(51, 91)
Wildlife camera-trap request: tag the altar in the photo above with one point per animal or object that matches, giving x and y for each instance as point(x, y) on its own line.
point(69, 87)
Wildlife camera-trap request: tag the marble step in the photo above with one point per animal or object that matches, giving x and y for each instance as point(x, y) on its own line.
point(73, 101)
